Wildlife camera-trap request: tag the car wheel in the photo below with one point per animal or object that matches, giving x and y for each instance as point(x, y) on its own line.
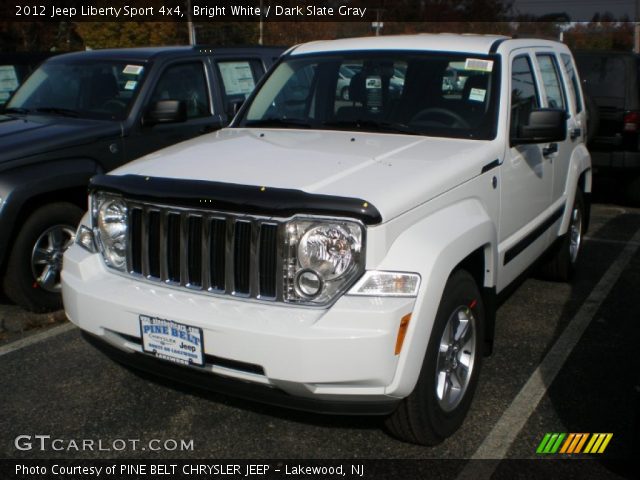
point(562, 264)
point(32, 278)
point(344, 93)
point(442, 396)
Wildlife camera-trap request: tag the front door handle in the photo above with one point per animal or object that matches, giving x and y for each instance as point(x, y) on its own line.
point(549, 149)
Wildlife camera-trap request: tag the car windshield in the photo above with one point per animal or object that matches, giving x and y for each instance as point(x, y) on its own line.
point(97, 89)
point(390, 92)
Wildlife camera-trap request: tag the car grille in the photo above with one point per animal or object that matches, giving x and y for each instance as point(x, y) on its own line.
point(212, 252)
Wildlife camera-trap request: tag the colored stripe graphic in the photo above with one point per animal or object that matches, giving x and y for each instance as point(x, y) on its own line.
point(598, 442)
point(550, 443)
point(572, 443)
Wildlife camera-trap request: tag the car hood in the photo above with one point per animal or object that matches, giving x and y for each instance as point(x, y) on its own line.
point(23, 136)
point(393, 172)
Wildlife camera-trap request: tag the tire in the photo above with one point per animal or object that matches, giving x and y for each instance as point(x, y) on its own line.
point(344, 93)
point(562, 264)
point(32, 278)
point(428, 415)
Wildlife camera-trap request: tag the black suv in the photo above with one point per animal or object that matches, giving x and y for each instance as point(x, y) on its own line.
point(612, 83)
point(85, 113)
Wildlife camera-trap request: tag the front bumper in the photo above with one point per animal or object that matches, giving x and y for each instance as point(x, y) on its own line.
point(336, 360)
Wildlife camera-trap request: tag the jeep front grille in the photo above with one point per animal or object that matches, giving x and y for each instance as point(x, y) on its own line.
point(212, 252)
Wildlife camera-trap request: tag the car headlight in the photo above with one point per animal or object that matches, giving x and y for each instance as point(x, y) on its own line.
point(322, 258)
point(110, 224)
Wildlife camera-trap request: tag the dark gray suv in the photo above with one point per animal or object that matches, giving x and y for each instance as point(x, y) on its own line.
point(611, 81)
point(85, 113)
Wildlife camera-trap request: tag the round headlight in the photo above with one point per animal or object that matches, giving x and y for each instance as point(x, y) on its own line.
point(112, 227)
point(330, 250)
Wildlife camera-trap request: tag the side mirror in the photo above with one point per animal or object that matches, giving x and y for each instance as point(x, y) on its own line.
point(545, 125)
point(166, 111)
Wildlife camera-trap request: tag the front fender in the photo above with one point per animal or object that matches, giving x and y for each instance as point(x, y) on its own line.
point(434, 247)
point(20, 185)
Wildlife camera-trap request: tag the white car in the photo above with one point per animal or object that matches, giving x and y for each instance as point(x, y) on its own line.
point(344, 258)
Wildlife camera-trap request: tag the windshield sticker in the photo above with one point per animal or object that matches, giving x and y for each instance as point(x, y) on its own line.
point(373, 85)
point(237, 78)
point(130, 85)
point(477, 94)
point(8, 78)
point(132, 70)
point(478, 65)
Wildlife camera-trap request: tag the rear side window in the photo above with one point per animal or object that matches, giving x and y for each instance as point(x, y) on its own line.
point(239, 78)
point(524, 95)
point(551, 80)
point(574, 87)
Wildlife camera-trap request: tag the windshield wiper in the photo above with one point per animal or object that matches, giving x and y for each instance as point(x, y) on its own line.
point(66, 112)
point(16, 110)
point(372, 125)
point(278, 122)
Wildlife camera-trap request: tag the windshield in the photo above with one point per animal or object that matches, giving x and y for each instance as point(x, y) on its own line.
point(436, 94)
point(98, 90)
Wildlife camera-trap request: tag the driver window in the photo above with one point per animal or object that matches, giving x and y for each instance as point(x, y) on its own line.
point(185, 82)
point(524, 95)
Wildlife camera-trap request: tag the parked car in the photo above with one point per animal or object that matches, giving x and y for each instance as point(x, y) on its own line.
point(15, 68)
point(344, 258)
point(344, 78)
point(612, 83)
point(88, 112)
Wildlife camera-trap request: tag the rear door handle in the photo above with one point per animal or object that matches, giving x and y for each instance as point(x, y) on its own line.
point(575, 133)
point(549, 149)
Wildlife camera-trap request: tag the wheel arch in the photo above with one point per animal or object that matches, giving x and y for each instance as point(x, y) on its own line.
point(580, 176)
point(34, 186)
point(460, 236)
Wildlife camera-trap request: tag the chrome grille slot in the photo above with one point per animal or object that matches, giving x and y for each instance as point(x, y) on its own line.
point(268, 259)
point(241, 257)
point(194, 252)
point(153, 236)
point(212, 252)
point(217, 253)
point(135, 244)
point(173, 247)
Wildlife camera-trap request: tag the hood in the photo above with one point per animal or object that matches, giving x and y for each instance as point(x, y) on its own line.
point(24, 136)
point(393, 172)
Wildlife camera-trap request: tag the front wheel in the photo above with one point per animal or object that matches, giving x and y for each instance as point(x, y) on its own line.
point(441, 399)
point(32, 279)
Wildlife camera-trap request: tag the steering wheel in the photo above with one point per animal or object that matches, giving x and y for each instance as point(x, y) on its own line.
point(431, 115)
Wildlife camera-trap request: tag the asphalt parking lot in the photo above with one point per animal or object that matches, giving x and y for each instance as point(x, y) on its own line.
point(565, 361)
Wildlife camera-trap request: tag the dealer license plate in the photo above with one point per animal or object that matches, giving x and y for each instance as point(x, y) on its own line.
point(172, 341)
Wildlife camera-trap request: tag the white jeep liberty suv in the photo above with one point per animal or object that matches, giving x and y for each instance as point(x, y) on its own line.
point(341, 251)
